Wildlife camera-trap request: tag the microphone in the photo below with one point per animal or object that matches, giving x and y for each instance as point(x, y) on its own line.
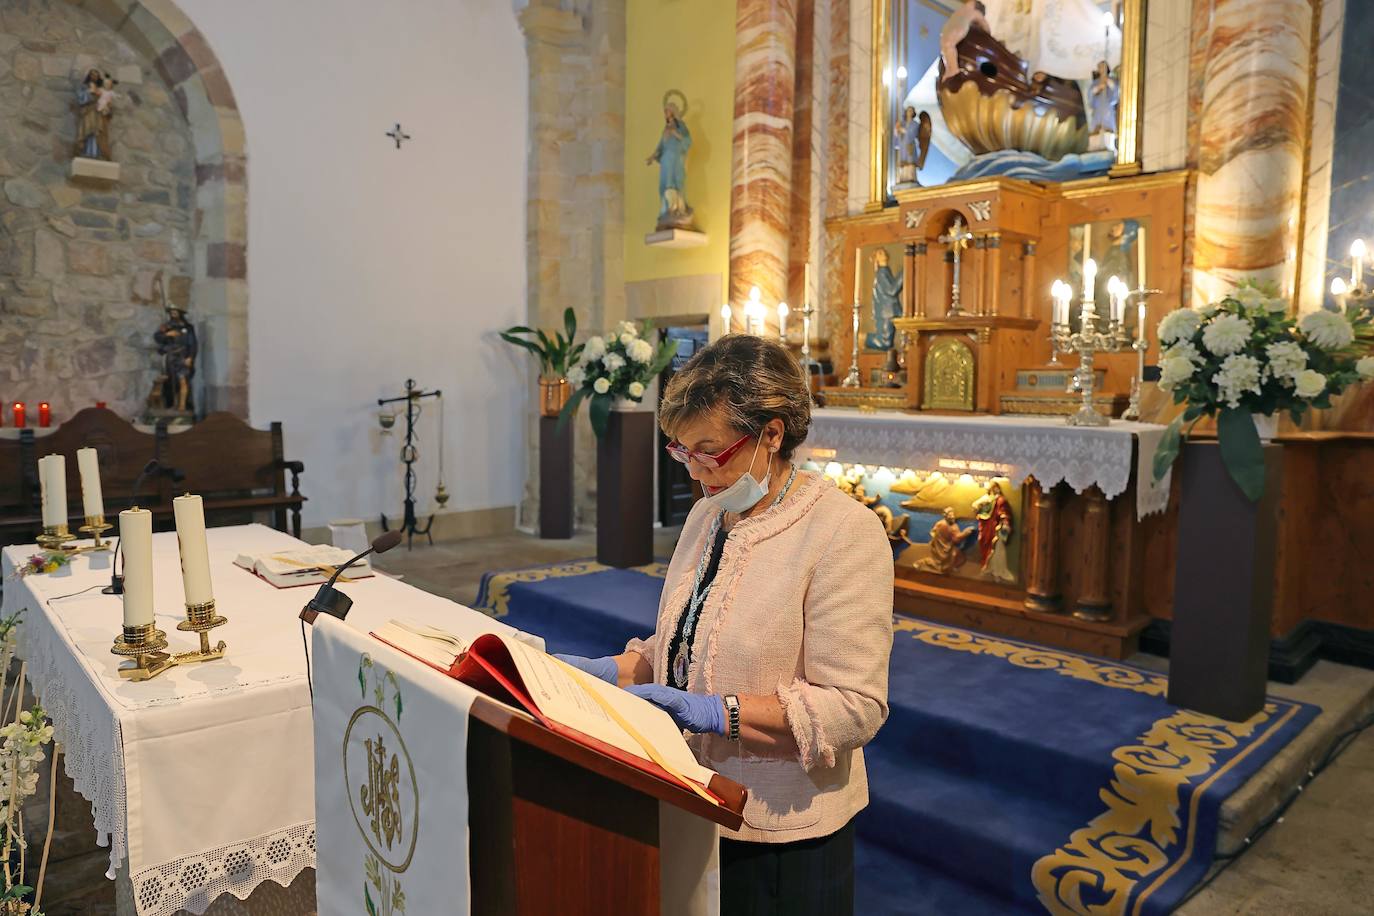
point(329, 600)
point(116, 586)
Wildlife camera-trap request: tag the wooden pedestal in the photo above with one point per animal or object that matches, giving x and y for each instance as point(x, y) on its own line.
point(625, 490)
point(1224, 586)
point(555, 479)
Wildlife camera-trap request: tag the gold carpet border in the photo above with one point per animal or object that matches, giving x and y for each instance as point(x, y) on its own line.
point(1067, 664)
point(1130, 841)
point(498, 586)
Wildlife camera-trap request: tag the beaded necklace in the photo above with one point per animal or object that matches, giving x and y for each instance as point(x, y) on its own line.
point(694, 604)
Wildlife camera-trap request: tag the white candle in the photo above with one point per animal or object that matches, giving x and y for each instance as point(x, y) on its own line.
point(858, 255)
point(195, 554)
point(1089, 279)
point(92, 500)
point(782, 320)
point(1140, 321)
point(1357, 251)
point(52, 480)
point(806, 286)
point(136, 543)
point(725, 318)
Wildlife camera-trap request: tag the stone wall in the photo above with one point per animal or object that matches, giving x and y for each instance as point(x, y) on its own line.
point(79, 261)
point(575, 227)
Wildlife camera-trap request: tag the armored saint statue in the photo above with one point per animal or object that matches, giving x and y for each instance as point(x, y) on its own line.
point(177, 345)
point(95, 105)
point(671, 156)
point(887, 302)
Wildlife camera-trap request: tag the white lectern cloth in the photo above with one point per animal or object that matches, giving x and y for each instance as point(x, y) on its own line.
point(390, 779)
point(203, 777)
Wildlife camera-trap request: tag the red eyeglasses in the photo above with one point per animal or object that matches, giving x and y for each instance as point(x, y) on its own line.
point(681, 453)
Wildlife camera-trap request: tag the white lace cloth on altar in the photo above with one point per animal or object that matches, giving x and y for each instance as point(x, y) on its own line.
point(202, 778)
point(1049, 449)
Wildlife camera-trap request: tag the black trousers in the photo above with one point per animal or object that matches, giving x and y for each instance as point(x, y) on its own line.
point(805, 878)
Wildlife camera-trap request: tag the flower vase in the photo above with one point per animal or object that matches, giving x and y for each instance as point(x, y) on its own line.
point(626, 405)
point(1267, 425)
point(554, 392)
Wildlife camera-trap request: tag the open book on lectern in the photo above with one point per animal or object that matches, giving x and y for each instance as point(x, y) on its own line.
point(572, 703)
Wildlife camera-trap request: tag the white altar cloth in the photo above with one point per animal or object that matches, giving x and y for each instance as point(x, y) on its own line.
point(1048, 448)
point(202, 777)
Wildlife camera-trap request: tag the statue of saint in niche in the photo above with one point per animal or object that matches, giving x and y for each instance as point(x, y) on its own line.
point(1103, 97)
point(671, 156)
point(912, 143)
point(178, 347)
point(887, 302)
point(993, 513)
point(95, 105)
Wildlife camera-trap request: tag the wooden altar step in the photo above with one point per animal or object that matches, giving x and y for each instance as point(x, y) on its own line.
point(1005, 614)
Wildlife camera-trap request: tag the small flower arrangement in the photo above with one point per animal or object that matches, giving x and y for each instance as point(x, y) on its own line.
point(21, 753)
point(1245, 357)
point(39, 563)
point(620, 365)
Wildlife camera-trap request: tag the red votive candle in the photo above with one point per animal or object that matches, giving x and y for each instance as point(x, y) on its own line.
point(18, 414)
point(44, 414)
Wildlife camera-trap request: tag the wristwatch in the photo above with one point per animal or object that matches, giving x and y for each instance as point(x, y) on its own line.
point(732, 717)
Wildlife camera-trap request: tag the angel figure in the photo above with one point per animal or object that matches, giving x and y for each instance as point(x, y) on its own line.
point(913, 143)
point(671, 156)
point(972, 15)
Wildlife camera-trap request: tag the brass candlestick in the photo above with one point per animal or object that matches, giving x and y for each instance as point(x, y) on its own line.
point(55, 537)
point(143, 644)
point(95, 526)
point(201, 619)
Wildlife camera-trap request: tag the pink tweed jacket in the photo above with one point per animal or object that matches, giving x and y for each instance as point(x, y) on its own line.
point(801, 607)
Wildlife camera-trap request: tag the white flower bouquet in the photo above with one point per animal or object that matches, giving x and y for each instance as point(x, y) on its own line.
point(1244, 357)
point(619, 365)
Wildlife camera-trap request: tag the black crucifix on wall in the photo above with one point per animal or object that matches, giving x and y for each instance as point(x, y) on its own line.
point(397, 134)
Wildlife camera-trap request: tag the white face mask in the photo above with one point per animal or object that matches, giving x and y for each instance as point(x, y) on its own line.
point(747, 492)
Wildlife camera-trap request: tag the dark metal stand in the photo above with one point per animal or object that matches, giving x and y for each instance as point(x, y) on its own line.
point(555, 479)
point(1223, 586)
point(625, 490)
point(410, 525)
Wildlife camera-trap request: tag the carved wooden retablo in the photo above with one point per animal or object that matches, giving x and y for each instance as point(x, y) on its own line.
point(948, 376)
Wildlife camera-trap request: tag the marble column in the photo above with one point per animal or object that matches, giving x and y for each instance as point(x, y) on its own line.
point(1251, 131)
point(761, 159)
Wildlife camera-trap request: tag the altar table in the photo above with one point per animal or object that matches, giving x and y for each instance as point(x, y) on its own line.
point(202, 778)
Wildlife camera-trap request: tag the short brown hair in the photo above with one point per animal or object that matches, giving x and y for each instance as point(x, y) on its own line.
point(750, 380)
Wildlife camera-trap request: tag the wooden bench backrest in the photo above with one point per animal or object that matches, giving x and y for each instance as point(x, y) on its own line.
point(123, 452)
point(221, 454)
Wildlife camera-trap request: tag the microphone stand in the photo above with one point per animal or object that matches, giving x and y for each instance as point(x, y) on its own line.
point(116, 586)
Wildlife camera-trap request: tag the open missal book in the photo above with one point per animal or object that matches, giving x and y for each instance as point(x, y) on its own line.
point(304, 566)
point(578, 706)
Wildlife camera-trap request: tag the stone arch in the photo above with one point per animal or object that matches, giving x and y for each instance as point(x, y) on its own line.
point(219, 293)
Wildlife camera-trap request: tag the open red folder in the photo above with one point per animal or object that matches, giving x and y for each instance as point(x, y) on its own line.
point(569, 702)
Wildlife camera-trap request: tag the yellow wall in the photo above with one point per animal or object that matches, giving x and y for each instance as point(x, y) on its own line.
point(687, 45)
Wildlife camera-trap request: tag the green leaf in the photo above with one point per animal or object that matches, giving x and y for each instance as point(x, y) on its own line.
point(1241, 451)
point(367, 898)
point(570, 323)
point(362, 680)
point(518, 329)
point(1168, 448)
point(600, 413)
point(570, 409)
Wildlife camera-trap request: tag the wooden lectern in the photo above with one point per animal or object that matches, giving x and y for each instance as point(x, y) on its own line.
point(557, 827)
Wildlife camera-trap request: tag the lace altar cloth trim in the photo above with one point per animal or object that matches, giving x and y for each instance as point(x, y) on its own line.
point(1048, 449)
point(192, 883)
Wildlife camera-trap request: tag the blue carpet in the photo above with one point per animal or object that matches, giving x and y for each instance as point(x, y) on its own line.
point(1008, 778)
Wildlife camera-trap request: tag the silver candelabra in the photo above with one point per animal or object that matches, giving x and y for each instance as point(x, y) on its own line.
point(851, 379)
point(1091, 339)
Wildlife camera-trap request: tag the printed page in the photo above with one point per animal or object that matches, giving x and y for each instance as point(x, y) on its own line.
point(563, 699)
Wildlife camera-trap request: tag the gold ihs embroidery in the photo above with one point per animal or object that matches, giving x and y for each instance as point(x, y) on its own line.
point(380, 795)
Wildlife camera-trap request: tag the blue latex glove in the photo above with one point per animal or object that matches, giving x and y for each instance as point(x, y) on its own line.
point(693, 712)
point(603, 668)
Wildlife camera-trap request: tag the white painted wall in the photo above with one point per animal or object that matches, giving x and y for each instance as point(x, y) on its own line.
point(367, 265)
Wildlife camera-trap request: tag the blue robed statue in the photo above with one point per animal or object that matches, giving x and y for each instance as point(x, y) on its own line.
point(671, 156)
point(887, 303)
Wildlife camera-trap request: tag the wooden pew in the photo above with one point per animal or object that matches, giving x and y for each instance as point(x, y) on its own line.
point(240, 471)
